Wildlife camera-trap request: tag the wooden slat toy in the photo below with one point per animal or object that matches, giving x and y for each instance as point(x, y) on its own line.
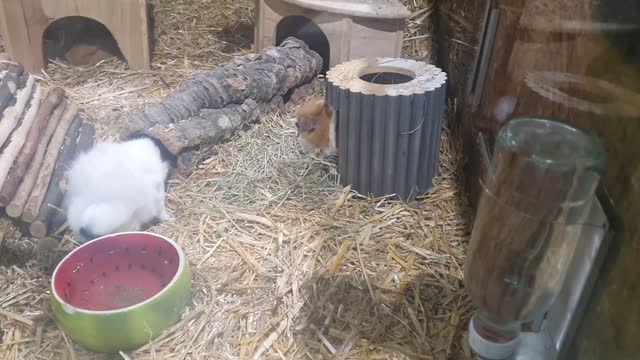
point(41, 132)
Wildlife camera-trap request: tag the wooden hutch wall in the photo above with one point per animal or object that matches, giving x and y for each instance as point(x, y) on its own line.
point(535, 36)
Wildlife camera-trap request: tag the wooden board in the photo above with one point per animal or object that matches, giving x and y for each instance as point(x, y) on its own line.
point(24, 22)
point(350, 34)
point(379, 9)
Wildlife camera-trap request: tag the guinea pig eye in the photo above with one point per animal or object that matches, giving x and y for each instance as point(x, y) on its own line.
point(311, 130)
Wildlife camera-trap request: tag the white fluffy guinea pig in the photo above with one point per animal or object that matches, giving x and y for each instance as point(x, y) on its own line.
point(117, 187)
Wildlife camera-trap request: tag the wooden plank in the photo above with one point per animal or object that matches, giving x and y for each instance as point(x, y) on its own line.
point(382, 9)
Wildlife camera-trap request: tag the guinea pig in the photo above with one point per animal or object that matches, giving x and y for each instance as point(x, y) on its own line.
point(317, 126)
point(117, 187)
point(86, 55)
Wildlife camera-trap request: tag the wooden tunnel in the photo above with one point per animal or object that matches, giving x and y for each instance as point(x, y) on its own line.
point(24, 22)
point(338, 30)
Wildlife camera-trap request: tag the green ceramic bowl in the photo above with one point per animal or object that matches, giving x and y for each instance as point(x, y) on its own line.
point(119, 291)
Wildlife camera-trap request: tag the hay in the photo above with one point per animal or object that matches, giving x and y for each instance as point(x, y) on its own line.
point(287, 265)
point(418, 34)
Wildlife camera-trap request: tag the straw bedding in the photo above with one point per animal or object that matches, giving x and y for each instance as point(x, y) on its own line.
point(287, 264)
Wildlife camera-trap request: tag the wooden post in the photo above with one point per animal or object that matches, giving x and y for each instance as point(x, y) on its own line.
point(85, 141)
point(13, 113)
point(25, 138)
point(9, 85)
point(53, 197)
point(17, 188)
point(32, 207)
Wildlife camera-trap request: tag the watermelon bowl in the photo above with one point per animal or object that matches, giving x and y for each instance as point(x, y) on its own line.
point(118, 292)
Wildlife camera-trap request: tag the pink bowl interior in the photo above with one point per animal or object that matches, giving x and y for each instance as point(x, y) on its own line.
point(116, 272)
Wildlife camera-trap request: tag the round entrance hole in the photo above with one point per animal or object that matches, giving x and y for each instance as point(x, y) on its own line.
point(305, 29)
point(386, 75)
point(90, 38)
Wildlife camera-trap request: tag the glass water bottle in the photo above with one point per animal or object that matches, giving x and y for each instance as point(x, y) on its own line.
point(536, 194)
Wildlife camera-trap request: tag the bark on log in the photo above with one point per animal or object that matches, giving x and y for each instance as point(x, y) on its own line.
point(25, 139)
point(4, 66)
point(32, 207)
point(260, 77)
point(86, 139)
point(20, 139)
point(210, 126)
point(9, 85)
point(205, 109)
point(305, 91)
point(17, 187)
point(13, 113)
point(219, 131)
point(53, 197)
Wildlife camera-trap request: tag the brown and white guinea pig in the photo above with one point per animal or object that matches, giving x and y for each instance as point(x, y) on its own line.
point(317, 125)
point(86, 55)
point(117, 187)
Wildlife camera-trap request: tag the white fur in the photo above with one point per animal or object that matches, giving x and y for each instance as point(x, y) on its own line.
point(332, 135)
point(116, 187)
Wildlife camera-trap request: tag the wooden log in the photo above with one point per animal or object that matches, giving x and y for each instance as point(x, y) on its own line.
point(53, 196)
point(180, 120)
point(25, 22)
point(25, 139)
point(13, 113)
point(4, 63)
point(188, 161)
point(189, 158)
point(273, 72)
point(86, 138)
point(32, 207)
point(210, 126)
point(299, 94)
point(20, 139)
point(9, 85)
point(17, 188)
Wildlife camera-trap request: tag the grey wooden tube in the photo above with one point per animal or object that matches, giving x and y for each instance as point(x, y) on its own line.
point(390, 119)
point(343, 115)
point(366, 141)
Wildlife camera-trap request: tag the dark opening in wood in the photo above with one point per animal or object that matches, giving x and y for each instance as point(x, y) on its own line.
point(66, 33)
point(386, 78)
point(306, 30)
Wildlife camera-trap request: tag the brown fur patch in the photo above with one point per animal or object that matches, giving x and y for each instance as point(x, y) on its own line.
point(314, 123)
point(86, 55)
